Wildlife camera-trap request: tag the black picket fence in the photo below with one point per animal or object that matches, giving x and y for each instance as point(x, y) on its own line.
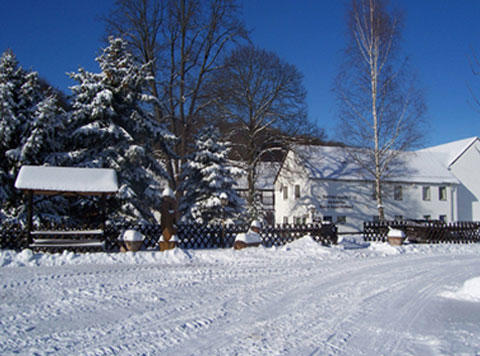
point(189, 236)
point(418, 231)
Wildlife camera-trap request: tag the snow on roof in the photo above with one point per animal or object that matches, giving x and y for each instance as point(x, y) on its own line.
point(266, 173)
point(448, 153)
point(334, 162)
point(67, 179)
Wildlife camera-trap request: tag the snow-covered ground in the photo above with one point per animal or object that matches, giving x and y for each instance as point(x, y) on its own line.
point(301, 299)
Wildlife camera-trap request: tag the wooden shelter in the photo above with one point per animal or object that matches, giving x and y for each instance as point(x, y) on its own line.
point(69, 181)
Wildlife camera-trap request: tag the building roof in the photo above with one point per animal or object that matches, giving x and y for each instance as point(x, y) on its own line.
point(67, 180)
point(448, 153)
point(336, 163)
point(266, 174)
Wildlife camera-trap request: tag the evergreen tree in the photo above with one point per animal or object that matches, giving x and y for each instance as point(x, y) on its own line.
point(111, 128)
point(43, 138)
point(208, 178)
point(29, 118)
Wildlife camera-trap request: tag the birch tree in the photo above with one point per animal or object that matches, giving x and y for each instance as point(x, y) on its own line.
point(380, 107)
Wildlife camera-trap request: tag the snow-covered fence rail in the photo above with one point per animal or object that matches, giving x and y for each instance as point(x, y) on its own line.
point(425, 231)
point(189, 236)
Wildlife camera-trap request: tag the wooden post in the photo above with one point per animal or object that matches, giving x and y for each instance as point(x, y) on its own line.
point(103, 207)
point(29, 216)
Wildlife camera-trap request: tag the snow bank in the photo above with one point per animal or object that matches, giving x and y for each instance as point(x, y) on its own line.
point(300, 249)
point(386, 249)
point(470, 291)
point(27, 258)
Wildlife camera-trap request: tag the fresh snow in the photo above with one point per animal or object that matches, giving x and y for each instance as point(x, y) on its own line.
point(67, 179)
point(132, 235)
point(395, 232)
point(249, 237)
point(470, 291)
point(355, 298)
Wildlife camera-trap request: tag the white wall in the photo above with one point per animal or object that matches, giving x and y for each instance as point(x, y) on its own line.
point(353, 199)
point(467, 169)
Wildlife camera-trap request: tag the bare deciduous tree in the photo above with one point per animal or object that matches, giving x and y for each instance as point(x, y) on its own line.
point(185, 42)
point(380, 107)
point(263, 99)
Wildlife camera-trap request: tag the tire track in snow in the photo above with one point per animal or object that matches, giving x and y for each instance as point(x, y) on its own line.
point(264, 315)
point(226, 308)
point(361, 334)
point(184, 324)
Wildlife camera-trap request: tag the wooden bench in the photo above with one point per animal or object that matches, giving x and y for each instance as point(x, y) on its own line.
point(54, 239)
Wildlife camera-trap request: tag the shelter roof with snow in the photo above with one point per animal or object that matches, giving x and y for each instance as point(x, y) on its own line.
point(49, 180)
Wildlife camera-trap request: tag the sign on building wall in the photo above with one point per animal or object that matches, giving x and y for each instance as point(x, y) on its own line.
point(335, 202)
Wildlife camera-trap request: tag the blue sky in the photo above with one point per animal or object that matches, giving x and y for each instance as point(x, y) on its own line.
point(58, 36)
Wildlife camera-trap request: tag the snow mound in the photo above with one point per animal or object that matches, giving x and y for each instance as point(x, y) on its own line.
point(385, 249)
point(306, 243)
point(469, 292)
point(352, 243)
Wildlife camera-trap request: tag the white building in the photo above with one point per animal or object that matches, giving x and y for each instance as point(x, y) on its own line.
point(322, 183)
point(266, 173)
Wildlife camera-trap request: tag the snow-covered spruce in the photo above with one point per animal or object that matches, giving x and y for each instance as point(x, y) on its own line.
point(207, 179)
point(31, 127)
point(111, 128)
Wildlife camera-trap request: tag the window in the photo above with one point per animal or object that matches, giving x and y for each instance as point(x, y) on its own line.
point(341, 219)
point(442, 193)
point(442, 218)
point(327, 218)
point(299, 220)
point(267, 197)
point(297, 191)
point(399, 217)
point(397, 192)
point(285, 192)
point(285, 219)
point(426, 193)
point(426, 217)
